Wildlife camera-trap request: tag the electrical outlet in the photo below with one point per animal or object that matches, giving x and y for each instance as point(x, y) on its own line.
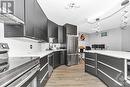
point(31, 46)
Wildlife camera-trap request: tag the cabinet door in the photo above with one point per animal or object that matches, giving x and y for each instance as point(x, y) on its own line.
point(63, 55)
point(19, 9)
point(40, 22)
point(56, 59)
point(53, 30)
point(29, 22)
point(37, 20)
point(51, 60)
point(71, 29)
point(60, 34)
point(64, 35)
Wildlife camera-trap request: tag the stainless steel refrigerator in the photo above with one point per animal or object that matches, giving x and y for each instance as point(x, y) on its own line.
point(72, 50)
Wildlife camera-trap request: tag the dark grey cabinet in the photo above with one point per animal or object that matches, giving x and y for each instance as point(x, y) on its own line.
point(61, 34)
point(63, 57)
point(70, 29)
point(56, 59)
point(51, 59)
point(107, 68)
point(43, 73)
point(35, 26)
point(19, 9)
point(40, 22)
point(29, 18)
point(110, 70)
point(53, 30)
point(91, 63)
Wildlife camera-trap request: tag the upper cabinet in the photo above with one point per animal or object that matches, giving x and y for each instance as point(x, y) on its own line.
point(35, 26)
point(70, 29)
point(61, 34)
point(40, 21)
point(29, 18)
point(53, 31)
point(19, 9)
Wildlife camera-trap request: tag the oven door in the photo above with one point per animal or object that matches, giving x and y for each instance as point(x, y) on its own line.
point(28, 79)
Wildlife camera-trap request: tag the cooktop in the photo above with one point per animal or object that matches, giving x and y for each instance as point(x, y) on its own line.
point(14, 62)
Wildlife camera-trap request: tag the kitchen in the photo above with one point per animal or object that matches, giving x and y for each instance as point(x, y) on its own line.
point(41, 43)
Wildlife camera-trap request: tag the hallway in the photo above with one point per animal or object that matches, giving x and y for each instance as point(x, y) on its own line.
point(73, 76)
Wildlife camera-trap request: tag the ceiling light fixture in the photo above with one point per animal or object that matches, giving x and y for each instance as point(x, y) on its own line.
point(72, 5)
point(124, 4)
point(97, 25)
point(124, 19)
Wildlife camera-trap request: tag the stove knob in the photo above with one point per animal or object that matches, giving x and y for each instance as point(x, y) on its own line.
point(3, 46)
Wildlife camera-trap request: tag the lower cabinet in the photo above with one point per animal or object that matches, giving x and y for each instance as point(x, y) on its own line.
point(53, 60)
point(90, 69)
point(110, 70)
point(90, 63)
point(56, 59)
point(107, 80)
point(43, 73)
point(63, 56)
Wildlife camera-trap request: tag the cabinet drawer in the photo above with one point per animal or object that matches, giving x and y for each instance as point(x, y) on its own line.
point(90, 69)
point(44, 81)
point(43, 61)
point(112, 61)
point(107, 80)
point(90, 62)
point(117, 75)
point(90, 55)
point(43, 71)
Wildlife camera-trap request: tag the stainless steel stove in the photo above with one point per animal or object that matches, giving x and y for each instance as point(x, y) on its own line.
point(4, 58)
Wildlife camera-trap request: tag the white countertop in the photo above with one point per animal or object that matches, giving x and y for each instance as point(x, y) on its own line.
point(118, 54)
point(34, 54)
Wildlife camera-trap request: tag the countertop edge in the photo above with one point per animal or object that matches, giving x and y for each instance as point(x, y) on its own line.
point(117, 54)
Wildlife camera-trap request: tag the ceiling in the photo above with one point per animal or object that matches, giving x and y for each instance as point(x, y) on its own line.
point(89, 9)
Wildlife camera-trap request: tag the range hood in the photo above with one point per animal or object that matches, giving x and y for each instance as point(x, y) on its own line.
point(9, 18)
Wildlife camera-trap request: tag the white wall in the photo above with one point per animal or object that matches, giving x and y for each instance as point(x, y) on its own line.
point(113, 41)
point(126, 39)
point(20, 45)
